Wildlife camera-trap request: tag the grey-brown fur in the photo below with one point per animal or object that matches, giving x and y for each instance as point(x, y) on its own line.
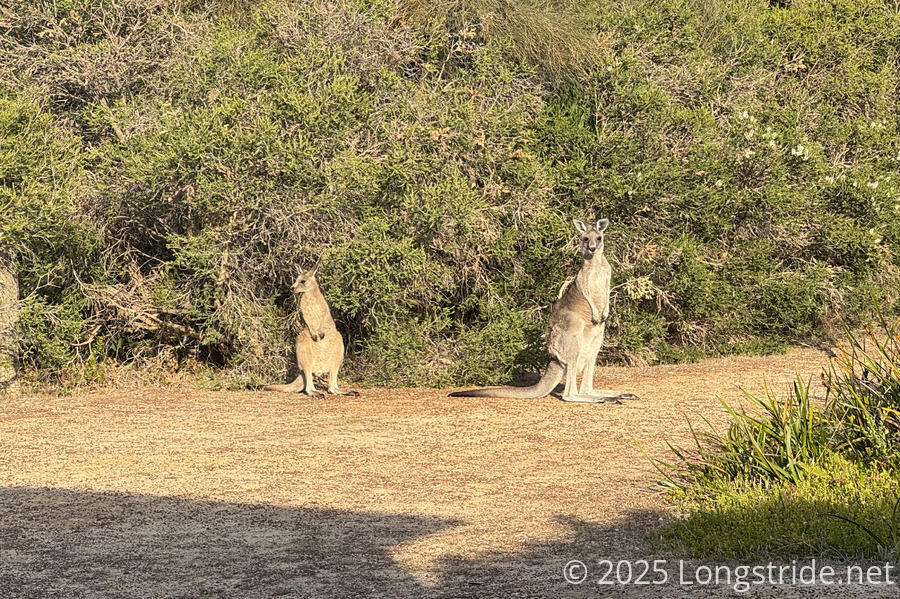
point(575, 331)
point(319, 346)
point(9, 317)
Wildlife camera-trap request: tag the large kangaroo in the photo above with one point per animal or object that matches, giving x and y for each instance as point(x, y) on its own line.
point(320, 347)
point(575, 331)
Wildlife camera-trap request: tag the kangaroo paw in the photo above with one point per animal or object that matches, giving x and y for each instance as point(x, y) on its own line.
point(590, 399)
point(610, 394)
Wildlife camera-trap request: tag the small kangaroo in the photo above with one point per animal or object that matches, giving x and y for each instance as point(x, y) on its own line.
point(319, 346)
point(575, 331)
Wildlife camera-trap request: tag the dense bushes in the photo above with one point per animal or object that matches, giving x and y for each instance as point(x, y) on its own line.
point(796, 476)
point(167, 165)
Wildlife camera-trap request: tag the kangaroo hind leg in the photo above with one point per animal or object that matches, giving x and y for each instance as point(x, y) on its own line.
point(333, 385)
point(571, 394)
point(583, 367)
point(587, 393)
point(310, 388)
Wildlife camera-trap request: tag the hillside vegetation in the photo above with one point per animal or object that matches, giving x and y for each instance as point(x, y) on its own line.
point(166, 165)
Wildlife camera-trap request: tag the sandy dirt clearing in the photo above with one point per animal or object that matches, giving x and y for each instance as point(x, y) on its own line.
point(397, 493)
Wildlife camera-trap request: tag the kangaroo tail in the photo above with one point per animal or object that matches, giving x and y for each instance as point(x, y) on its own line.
point(552, 376)
point(296, 385)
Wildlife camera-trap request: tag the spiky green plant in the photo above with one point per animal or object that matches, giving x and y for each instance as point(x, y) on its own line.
point(800, 475)
point(864, 393)
point(775, 440)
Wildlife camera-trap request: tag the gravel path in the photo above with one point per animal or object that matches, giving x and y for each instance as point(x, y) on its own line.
point(397, 493)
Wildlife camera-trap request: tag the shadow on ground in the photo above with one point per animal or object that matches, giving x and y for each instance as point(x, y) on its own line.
point(66, 543)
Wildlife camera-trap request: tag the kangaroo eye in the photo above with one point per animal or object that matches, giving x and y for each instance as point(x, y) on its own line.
point(584, 239)
point(302, 281)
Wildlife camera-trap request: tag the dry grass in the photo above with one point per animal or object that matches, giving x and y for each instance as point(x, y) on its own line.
point(397, 493)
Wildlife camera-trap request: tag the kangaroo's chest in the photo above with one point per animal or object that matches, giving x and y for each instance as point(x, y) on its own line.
point(594, 283)
point(314, 309)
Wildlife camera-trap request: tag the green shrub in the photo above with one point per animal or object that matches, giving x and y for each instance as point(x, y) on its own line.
point(166, 166)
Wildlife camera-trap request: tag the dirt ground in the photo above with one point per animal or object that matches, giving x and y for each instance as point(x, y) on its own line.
point(396, 493)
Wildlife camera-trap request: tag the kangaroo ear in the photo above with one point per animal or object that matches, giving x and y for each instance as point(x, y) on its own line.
point(602, 224)
point(580, 226)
